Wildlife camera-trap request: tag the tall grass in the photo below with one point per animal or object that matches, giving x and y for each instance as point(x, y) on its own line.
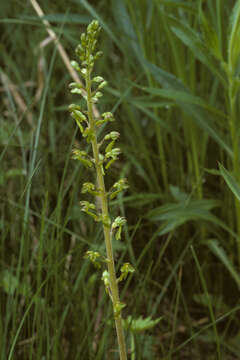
point(173, 70)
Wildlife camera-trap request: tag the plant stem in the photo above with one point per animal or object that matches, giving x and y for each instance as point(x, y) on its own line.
point(106, 229)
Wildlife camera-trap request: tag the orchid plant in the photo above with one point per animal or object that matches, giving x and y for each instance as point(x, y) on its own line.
point(103, 155)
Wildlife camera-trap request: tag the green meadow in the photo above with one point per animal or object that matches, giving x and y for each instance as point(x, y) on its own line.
point(173, 84)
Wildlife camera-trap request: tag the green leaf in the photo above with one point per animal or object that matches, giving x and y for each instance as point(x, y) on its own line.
point(212, 171)
point(139, 200)
point(64, 18)
point(15, 172)
point(210, 37)
point(174, 215)
point(216, 301)
point(199, 115)
point(233, 41)
point(178, 194)
point(221, 254)
point(142, 106)
point(199, 49)
point(182, 96)
point(231, 181)
point(126, 29)
point(140, 324)
point(9, 282)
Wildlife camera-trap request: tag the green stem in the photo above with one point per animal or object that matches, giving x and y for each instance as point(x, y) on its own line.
point(133, 350)
point(106, 229)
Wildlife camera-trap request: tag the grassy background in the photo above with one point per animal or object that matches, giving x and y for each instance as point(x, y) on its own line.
point(172, 69)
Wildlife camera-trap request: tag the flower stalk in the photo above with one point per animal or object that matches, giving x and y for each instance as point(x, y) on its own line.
point(88, 126)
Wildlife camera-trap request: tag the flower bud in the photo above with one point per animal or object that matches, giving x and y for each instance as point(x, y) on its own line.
point(104, 83)
point(98, 79)
point(75, 65)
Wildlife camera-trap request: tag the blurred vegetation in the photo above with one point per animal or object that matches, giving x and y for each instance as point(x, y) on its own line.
point(173, 73)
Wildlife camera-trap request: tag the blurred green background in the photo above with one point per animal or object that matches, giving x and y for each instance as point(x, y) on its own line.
point(173, 84)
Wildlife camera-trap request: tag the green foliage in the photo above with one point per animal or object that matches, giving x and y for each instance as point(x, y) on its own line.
point(230, 181)
point(9, 282)
point(173, 85)
point(233, 47)
point(141, 324)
